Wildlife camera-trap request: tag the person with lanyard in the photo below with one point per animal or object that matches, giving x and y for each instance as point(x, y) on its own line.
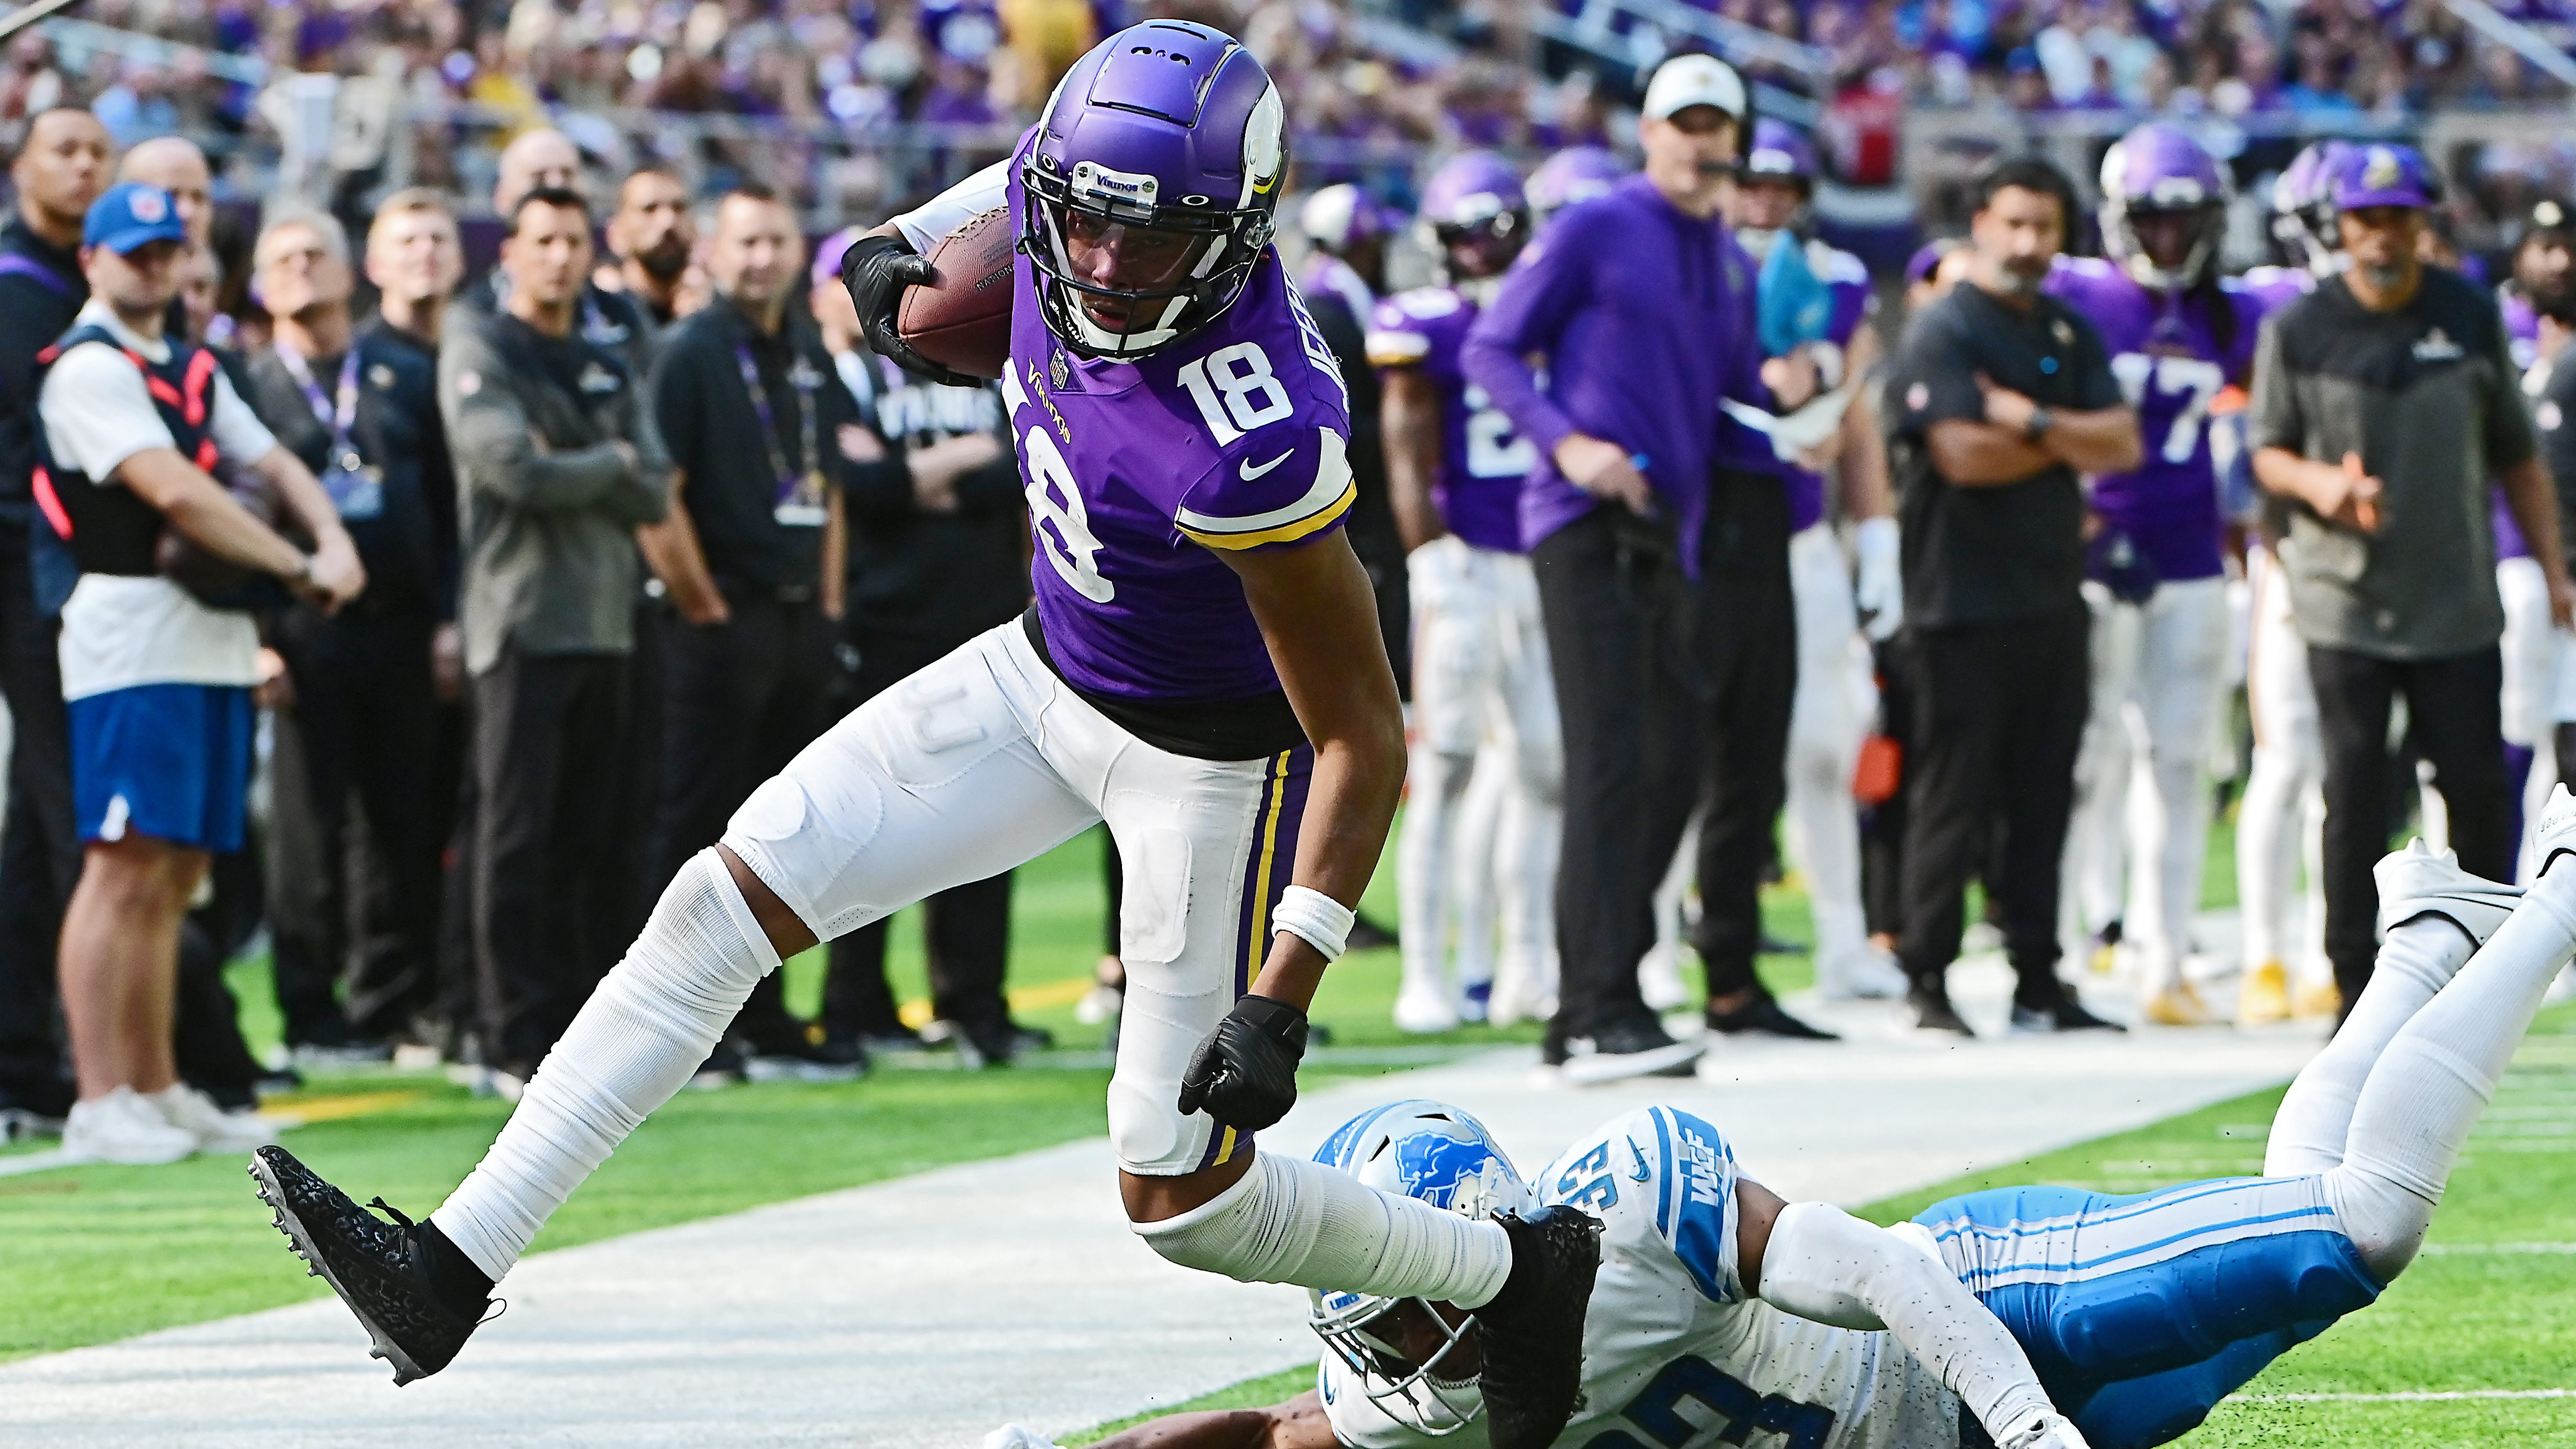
point(936, 529)
point(60, 169)
point(156, 675)
point(557, 462)
point(360, 409)
point(751, 556)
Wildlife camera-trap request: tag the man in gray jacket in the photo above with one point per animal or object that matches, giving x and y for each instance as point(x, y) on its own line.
point(556, 462)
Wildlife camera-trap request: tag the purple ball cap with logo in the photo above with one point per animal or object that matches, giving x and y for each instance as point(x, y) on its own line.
point(2377, 175)
point(830, 250)
point(1779, 150)
point(131, 216)
point(1927, 259)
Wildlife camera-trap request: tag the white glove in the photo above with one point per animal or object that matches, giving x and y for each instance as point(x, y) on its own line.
point(1017, 1436)
point(2044, 1431)
point(1879, 592)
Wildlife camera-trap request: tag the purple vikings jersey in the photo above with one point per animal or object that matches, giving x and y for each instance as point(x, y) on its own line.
point(2521, 325)
point(1138, 473)
point(1482, 461)
point(1847, 278)
point(2169, 364)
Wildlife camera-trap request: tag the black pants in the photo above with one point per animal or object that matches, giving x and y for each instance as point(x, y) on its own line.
point(1882, 826)
point(356, 903)
point(40, 849)
point(968, 927)
point(548, 732)
point(206, 1038)
point(738, 700)
point(1998, 717)
point(2457, 724)
point(1748, 644)
point(1620, 620)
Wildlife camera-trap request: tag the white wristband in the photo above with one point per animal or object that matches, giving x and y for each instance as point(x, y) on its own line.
point(1314, 918)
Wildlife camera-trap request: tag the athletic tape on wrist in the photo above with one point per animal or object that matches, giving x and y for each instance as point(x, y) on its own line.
point(1316, 919)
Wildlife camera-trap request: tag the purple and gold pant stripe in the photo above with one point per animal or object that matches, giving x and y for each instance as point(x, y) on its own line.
point(1280, 809)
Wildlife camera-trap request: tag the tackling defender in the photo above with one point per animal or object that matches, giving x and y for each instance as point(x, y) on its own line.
point(2024, 1317)
point(2178, 335)
point(1202, 669)
point(1482, 695)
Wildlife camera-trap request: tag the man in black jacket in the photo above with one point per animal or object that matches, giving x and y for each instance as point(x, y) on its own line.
point(360, 408)
point(62, 167)
point(936, 557)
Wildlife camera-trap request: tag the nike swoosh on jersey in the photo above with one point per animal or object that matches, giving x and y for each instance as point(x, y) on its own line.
point(1643, 1172)
point(1250, 472)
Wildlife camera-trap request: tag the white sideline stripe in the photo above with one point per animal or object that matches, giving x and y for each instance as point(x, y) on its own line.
point(2468, 1249)
point(2420, 1396)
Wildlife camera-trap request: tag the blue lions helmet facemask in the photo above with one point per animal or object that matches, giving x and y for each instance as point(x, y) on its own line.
point(1438, 1154)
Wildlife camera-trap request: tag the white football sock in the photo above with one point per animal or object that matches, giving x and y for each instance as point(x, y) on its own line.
point(642, 1035)
point(2437, 1074)
point(2416, 960)
point(1293, 1221)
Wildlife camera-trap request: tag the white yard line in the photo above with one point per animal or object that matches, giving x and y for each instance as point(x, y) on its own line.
point(2427, 1396)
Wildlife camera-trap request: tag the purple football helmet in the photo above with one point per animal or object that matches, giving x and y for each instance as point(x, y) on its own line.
point(1577, 173)
point(1779, 152)
point(1476, 212)
point(1161, 153)
point(2303, 210)
point(2157, 171)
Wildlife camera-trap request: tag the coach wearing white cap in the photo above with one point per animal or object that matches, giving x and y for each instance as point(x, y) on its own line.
point(1642, 306)
point(156, 680)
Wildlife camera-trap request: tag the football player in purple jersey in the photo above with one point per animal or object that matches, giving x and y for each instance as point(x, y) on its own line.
point(1577, 173)
point(2542, 262)
point(1483, 700)
point(1838, 435)
point(2178, 335)
point(1201, 669)
point(2281, 812)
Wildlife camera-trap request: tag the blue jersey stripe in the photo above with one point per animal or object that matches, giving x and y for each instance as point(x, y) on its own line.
point(1668, 1182)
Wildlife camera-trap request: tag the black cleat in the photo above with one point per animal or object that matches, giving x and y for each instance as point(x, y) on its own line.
point(381, 1270)
point(1532, 1333)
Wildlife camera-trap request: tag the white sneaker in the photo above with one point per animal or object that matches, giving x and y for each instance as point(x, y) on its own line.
point(215, 1129)
point(1659, 979)
point(2420, 881)
point(123, 1127)
point(1868, 974)
point(1422, 1008)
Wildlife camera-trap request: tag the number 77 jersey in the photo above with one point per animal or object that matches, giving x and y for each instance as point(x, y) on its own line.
point(1140, 474)
point(1676, 1355)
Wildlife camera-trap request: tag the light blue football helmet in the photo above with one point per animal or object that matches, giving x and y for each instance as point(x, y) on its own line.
point(1441, 1155)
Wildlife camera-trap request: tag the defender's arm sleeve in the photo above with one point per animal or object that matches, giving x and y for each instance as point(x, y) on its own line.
point(1825, 1265)
point(1540, 293)
point(929, 224)
point(492, 440)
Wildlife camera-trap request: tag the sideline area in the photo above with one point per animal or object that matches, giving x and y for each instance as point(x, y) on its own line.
point(926, 1310)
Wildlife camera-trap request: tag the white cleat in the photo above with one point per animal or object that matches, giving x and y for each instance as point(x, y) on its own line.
point(215, 1129)
point(2554, 833)
point(1423, 1010)
point(1868, 974)
point(1659, 979)
point(123, 1127)
point(2421, 881)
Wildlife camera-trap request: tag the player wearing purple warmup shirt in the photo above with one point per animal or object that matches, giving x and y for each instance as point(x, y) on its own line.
point(1484, 706)
point(1202, 670)
point(2157, 584)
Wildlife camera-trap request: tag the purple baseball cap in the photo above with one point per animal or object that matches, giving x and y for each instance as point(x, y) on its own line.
point(829, 251)
point(1927, 259)
point(2379, 175)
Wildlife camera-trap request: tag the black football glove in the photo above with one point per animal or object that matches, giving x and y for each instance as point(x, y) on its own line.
point(1245, 1073)
point(875, 271)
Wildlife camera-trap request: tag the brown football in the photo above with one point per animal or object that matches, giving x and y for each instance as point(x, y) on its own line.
point(962, 319)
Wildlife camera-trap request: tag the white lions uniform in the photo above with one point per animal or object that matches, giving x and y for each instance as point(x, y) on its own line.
point(1675, 1353)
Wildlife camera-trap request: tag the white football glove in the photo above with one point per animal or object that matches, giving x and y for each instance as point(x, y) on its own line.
point(1879, 591)
point(1017, 1436)
point(2045, 1431)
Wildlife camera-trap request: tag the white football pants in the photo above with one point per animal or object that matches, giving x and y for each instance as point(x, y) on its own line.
point(2530, 652)
point(2158, 673)
point(2282, 814)
point(1481, 693)
point(1828, 717)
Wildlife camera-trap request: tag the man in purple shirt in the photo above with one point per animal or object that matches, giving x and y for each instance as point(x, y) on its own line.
point(1201, 671)
point(1642, 305)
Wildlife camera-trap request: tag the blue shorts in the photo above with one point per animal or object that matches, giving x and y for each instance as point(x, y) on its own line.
point(170, 761)
point(2141, 1312)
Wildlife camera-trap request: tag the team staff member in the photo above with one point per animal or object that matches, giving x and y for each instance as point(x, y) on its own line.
point(360, 409)
point(936, 531)
point(2383, 402)
point(1997, 398)
point(157, 683)
point(1643, 307)
point(548, 160)
point(751, 554)
point(60, 169)
point(653, 234)
point(557, 461)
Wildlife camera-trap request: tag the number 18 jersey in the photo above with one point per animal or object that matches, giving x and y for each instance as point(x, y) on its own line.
point(1139, 474)
point(1675, 1354)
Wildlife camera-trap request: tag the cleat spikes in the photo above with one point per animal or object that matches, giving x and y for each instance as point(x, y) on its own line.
point(380, 1269)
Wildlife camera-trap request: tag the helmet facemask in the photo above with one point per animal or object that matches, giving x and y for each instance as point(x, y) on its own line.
point(1365, 1333)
